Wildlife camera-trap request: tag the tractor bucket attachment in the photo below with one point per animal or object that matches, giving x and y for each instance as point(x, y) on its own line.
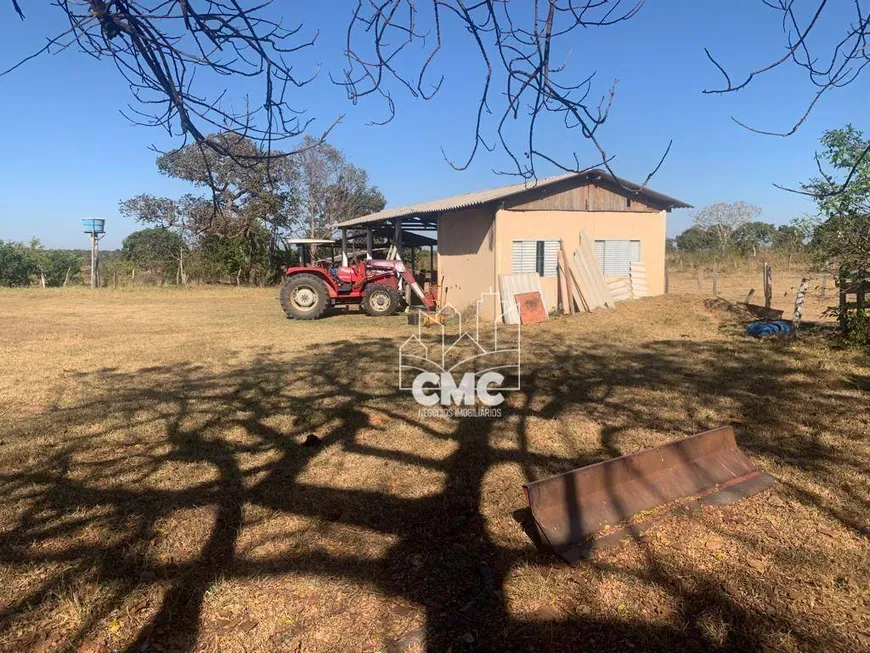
point(570, 508)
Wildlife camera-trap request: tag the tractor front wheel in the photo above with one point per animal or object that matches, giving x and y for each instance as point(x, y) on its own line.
point(304, 297)
point(380, 300)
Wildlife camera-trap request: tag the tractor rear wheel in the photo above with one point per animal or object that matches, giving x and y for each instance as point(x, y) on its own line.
point(304, 297)
point(380, 300)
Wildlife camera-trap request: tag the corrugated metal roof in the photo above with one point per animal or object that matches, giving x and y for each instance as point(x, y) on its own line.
point(480, 197)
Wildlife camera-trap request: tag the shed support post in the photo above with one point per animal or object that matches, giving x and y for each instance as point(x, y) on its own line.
point(344, 247)
point(398, 239)
point(369, 243)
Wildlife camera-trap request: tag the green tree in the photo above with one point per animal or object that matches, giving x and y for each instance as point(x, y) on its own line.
point(253, 195)
point(752, 237)
point(696, 239)
point(219, 258)
point(789, 238)
point(16, 264)
point(158, 250)
point(55, 267)
point(842, 233)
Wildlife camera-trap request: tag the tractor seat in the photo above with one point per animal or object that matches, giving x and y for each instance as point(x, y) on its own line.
point(343, 277)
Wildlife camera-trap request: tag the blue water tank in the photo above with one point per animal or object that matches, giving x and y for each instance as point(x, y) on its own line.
point(93, 226)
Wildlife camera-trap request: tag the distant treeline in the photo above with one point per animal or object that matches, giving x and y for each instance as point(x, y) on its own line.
point(32, 264)
point(155, 256)
point(747, 239)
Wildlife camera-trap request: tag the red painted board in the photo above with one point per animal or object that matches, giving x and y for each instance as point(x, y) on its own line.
point(531, 307)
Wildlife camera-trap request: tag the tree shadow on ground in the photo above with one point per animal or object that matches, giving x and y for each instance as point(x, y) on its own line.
point(121, 463)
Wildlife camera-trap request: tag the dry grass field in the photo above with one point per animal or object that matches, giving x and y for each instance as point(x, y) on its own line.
point(156, 493)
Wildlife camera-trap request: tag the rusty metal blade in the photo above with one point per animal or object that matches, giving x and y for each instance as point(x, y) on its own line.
point(570, 508)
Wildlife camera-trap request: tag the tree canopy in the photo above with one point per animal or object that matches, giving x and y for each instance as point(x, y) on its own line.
point(331, 189)
point(724, 219)
point(236, 225)
point(842, 233)
point(158, 250)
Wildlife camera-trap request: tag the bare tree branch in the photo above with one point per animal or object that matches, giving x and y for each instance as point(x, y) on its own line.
point(159, 46)
point(520, 84)
point(827, 66)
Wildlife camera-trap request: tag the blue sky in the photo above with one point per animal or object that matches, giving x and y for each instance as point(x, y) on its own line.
point(70, 154)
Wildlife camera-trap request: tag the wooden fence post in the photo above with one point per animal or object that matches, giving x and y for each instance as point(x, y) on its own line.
point(749, 295)
point(799, 305)
point(824, 290)
point(768, 285)
point(700, 278)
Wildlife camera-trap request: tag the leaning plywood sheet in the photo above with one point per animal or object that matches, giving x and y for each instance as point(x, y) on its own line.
point(587, 252)
point(510, 285)
point(582, 284)
point(639, 287)
point(579, 301)
point(565, 300)
point(620, 288)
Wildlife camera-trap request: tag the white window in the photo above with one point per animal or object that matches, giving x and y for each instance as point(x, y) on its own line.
point(614, 256)
point(535, 256)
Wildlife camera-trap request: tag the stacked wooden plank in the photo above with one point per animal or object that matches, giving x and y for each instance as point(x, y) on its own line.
point(639, 286)
point(576, 301)
point(582, 284)
point(566, 300)
point(620, 288)
point(589, 277)
point(511, 285)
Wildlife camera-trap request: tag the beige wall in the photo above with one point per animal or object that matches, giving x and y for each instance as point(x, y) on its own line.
point(466, 256)
point(649, 228)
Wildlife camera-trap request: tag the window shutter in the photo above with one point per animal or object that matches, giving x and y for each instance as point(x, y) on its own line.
point(617, 254)
point(530, 254)
point(517, 257)
point(523, 256)
point(599, 253)
point(551, 251)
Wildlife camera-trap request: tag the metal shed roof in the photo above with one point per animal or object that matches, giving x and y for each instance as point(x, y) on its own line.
point(480, 197)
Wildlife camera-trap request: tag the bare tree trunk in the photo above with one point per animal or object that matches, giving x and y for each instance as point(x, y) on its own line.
point(181, 267)
point(716, 278)
point(843, 316)
point(66, 277)
point(860, 295)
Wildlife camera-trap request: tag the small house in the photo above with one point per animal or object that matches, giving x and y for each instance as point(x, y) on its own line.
point(521, 227)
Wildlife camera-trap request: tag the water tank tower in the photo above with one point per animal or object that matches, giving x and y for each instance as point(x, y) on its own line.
point(96, 229)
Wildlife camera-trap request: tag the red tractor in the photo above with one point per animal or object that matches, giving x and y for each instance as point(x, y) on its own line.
point(376, 285)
